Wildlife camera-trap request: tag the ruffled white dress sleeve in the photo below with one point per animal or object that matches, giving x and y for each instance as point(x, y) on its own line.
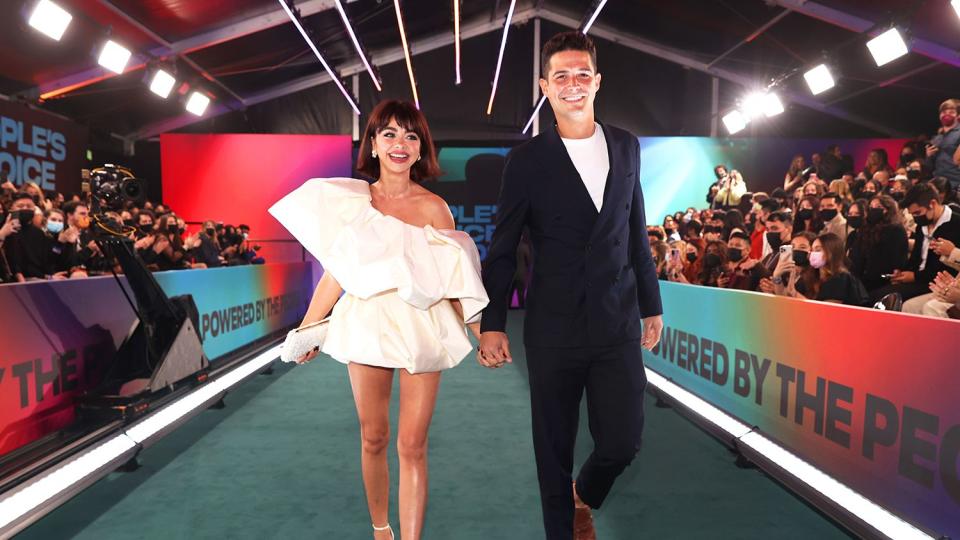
point(397, 278)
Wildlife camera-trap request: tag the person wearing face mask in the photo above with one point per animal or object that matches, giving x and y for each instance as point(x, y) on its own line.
point(856, 216)
point(759, 248)
point(739, 272)
point(790, 262)
point(880, 245)
point(205, 247)
point(827, 279)
point(29, 251)
point(146, 238)
point(692, 263)
point(670, 228)
point(945, 146)
point(807, 215)
point(935, 222)
point(714, 261)
point(779, 226)
point(831, 218)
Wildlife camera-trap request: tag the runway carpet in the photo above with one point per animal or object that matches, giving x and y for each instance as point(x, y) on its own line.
point(282, 461)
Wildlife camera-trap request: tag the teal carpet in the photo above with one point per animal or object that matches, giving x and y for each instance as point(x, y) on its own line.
point(282, 461)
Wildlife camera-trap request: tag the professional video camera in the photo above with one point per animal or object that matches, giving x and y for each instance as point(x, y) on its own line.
point(164, 347)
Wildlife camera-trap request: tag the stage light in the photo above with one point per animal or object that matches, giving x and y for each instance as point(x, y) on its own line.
point(114, 56)
point(316, 52)
point(887, 47)
point(503, 45)
point(753, 105)
point(956, 6)
point(456, 36)
point(197, 103)
point(162, 83)
point(356, 44)
point(50, 19)
point(596, 12)
point(406, 52)
point(819, 79)
point(534, 115)
point(772, 105)
point(735, 121)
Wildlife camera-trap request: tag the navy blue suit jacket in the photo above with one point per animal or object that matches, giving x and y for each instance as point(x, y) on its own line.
point(593, 277)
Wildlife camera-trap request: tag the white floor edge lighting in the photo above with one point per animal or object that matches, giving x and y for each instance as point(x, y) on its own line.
point(855, 503)
point(19, 502)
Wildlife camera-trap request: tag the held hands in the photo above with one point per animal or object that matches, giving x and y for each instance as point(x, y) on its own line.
point(494, 350)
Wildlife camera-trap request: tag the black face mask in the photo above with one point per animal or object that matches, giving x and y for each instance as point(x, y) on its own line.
point(868, 194)
point(734, 254)
point(828, 215)
point(148, 228)
point(209, 232)
point(691, 257)
point(913, 174)
point(875, 215)
point(897, 195)
point(711, 260)
point(128, 222)
point(773, 238)
point(25, 217)
point(855, 221)
point(907, 158)
point(804, 214)
point(922, 220)
point(801, 258)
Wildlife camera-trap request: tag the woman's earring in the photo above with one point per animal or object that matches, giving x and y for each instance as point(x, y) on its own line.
point(418, 157)
point(373, 154)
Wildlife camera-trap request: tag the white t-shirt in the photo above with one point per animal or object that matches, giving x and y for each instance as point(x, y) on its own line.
point(590, 158)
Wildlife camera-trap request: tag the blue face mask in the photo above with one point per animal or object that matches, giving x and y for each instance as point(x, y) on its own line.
point(55, 227)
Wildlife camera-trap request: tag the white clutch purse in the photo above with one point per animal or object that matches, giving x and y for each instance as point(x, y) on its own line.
point(303, 340)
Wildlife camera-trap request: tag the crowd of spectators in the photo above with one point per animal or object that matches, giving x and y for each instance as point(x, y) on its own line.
point(832, 233)
point(47, 236)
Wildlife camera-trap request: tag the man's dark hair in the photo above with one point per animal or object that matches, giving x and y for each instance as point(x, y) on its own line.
point(145, 212)
point(782, 217)
point(694, 227)
point(779, 193)
point(21, 195)
point(837, 198)
point(740, 235)
point(920, 194)
point(770, 205)
point(832, 148)
point(566, 41)
point(70, 207)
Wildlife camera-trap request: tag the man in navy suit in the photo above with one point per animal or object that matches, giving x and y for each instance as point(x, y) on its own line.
point(593, 300)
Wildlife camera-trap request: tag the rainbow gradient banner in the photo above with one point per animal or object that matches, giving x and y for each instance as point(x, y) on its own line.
point(867, 396)
point(59, 336)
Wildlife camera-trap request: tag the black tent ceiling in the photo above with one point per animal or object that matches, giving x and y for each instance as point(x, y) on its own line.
point(247, 55)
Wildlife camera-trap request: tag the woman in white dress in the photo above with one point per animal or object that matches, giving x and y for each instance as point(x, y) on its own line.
point(410, 281)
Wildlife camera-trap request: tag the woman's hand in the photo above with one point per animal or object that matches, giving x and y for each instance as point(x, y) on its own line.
point(309, 356)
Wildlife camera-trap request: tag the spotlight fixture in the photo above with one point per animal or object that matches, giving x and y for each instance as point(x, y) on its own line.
point(887, 47)
point(753, 105)
point(819, 79)
point(114, 57)
point(162, 83)
point(772, 106)
point(503, 45)
point(316, 52)
point(956, 6)
point(50, 19)
point(735, 121)
point(356, 44)
point(197, 103)
point(406, 52)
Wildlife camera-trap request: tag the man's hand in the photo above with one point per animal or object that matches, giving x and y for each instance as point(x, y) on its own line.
point(901, 276)
point(145, 242)
point(160, 244)
point(723, 280)
point(652, 327)
point(494, 350)
point(767, 286)
point(70, 235)
point(942, 246)
point(749, 264)
point(932, 150)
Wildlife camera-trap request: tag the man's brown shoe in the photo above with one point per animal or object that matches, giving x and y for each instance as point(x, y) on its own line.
point(583, 524)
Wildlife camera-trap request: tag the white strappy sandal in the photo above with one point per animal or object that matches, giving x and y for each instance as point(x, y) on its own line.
point(384, 528)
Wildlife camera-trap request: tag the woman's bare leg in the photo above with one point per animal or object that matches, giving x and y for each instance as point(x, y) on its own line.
point(371, 392)
point(418, 395)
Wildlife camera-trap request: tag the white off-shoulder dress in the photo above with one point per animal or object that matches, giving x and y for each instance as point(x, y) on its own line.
point(397, 278)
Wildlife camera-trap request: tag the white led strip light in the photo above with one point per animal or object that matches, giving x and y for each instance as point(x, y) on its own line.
point(406, 53)
point(356, 44)
point(858, 505)
point(333, 76)
point(503, 45)
point(23, 500)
